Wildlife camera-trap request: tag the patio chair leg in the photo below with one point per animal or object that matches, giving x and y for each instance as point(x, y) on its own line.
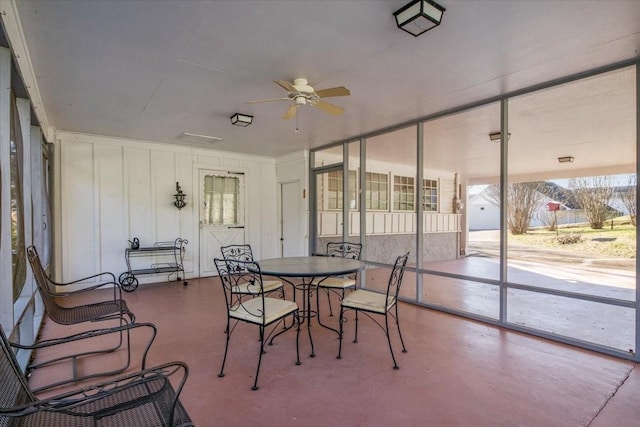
point(329, 300)
point(355, 339)
point(296, 320)
point(340, 333)
point(255, 383)
point(226, 347)
point(386, 330)
point(404, 349)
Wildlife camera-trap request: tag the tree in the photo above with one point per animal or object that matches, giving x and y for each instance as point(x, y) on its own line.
point(593, 195)
point(523, 198)
point(628, 196)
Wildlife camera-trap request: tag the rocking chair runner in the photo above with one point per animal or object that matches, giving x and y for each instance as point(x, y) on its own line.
point(146, 398)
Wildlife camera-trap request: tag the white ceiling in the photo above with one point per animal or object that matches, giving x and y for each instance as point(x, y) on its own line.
point(151, 70)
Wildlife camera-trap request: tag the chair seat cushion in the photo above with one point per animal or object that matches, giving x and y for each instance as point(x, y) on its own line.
point(251, 310)
point(368, 301)
point(253, 289)
point(335, 282)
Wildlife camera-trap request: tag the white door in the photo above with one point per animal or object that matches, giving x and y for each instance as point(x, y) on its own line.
point(291, 237)
point(221, 215)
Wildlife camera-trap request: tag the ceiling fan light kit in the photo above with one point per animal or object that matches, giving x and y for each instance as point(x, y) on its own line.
point(419, 16)
point(301, 93)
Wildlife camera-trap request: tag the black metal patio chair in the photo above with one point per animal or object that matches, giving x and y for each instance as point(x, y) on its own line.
point(259, 310)
point(339, 284)
point(244, 253)
point(375, 303)
point(142, 399)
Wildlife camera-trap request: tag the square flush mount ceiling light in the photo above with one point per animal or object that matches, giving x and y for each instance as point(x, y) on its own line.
point(243, 120)
point(565, 159)
point(419, 16)
point(497, 136)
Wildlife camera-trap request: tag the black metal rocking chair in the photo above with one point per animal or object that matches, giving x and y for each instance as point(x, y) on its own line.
point(146, 398)
point(114, 309)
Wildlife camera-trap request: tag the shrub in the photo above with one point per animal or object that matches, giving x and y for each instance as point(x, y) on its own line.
point(567, 239)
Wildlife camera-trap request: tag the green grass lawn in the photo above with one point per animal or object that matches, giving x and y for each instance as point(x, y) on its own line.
point(616, 242)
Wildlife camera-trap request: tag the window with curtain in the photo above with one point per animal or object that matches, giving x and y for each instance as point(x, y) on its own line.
point(221, 199)
point(377, 191)
point(18, 255)
point(403, 193)
point(430, 195)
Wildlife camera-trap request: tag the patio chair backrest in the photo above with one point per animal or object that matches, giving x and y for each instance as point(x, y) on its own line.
point(344, 249)
point(13, 385)
point(237, 252)
point(395, 278)
point(234, 272)
point(42, 280)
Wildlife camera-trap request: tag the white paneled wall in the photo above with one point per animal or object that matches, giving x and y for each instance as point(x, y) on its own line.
point(111, 190)
point(380, 223)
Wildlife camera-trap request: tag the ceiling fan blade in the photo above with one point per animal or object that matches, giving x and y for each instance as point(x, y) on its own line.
point(285, 85)
point(291, 112)
point(330, 108)
point(333, 91)
point(267, 100)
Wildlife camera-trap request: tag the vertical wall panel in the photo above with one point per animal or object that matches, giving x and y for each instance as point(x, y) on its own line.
point(79, 223)
point(112, 213)
point(140, 212)
point(164, 187)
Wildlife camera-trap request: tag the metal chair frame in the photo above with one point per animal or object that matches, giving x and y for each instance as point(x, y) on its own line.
point(389, 307)
point(145, 398)
point(259, 310)
point(244, 253)
point(344, 250)
point(113, 309)
point(96, 334)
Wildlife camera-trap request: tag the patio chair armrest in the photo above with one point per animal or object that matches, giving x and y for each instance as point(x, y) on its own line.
point(93, 334)
point(69, 400)
point(86, 334)
point(105, 273)
point(84, 395)
point(117, 291)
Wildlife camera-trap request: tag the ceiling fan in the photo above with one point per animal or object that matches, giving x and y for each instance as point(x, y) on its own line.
point(300, 93)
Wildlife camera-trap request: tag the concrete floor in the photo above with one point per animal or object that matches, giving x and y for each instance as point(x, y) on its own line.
point(456, 372)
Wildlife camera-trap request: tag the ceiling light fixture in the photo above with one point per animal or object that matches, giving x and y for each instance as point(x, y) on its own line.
point(243, 120)
point(419, 16)
point(565, 159)
point(496, 136)
point(199, 138)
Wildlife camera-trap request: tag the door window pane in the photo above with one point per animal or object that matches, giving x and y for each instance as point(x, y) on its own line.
point(221, 195)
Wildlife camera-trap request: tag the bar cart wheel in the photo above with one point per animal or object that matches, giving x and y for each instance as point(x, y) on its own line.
point(128, 282)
